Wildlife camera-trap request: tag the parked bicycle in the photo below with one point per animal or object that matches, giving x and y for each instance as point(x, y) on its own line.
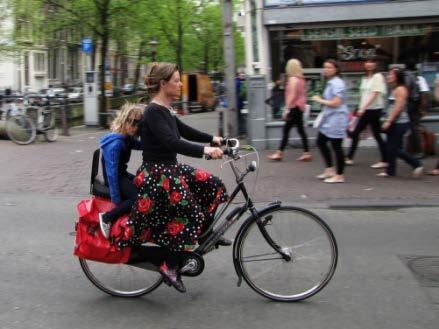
point(19, 127)
point(43, 115)
point(283, 253)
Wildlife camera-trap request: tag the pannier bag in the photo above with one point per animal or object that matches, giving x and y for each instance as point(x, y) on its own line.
point(90, 243)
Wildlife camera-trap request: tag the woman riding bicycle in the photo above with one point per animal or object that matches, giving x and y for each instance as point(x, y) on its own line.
point(176, 201)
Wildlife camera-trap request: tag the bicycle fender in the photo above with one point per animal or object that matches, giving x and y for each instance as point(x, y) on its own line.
point(268, 208)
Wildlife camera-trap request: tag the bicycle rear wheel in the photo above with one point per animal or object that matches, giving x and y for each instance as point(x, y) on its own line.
point(21, 130)
point(121, 280)
point(302, 235)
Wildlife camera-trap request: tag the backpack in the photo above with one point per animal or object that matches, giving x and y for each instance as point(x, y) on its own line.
point(413, 90)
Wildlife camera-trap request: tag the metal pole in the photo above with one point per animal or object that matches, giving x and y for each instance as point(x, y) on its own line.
point(64, 121)
point(229, 69)
point(221, 122)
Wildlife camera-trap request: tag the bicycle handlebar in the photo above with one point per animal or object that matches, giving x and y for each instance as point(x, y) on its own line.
point(232, 146)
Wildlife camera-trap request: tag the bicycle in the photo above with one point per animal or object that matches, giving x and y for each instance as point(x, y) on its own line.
point(19, 127)
point(283, 253)
point(43, 116)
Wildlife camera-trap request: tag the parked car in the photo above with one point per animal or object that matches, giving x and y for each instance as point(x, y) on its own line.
point(76, 95)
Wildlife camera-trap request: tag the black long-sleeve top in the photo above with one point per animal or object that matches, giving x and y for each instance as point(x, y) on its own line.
point(161, 133)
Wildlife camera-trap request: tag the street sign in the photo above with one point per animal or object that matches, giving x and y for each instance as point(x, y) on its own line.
point(87, 45)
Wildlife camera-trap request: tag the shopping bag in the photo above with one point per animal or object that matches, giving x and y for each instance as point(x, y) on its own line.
point(90, 242)
point(318, 120)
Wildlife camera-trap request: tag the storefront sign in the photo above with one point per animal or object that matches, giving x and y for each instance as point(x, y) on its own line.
point(358, 32)
point(350, 53)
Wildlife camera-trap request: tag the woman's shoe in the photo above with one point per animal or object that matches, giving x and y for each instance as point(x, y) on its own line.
point(328, 173)
point(383, 174)
point(171, 277)
point(349, 162)
point(434, 172)
point(306, 157)
point(379, 165)
point(335, 179)
point(418, 172)
point(276, 156)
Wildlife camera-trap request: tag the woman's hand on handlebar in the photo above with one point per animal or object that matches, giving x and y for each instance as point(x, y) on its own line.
point(217, 141)
point(213, 152)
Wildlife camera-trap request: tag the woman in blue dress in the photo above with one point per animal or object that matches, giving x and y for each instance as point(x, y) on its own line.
point(334, 123)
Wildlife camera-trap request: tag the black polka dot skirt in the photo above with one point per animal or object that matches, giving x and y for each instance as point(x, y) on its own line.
point(175, 203)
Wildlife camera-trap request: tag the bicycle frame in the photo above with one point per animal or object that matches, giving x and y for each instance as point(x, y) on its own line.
point(235, 215)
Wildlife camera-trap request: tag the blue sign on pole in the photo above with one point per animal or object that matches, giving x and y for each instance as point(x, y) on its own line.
point(87, 45)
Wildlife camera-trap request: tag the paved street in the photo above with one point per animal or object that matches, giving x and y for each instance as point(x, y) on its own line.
point(387, 231)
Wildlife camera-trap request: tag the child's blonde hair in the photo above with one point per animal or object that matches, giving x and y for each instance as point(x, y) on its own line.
point(294, 68)
point(119, 123)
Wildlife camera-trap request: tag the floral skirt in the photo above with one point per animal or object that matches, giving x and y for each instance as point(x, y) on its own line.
point(176, 202)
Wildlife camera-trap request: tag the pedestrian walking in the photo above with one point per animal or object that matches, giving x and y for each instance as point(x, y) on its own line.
point(334, 122)
point(372, 100)
point(435, 171)
point(295, 101)
point(116, 152)
point(276, 100)
point(176, 202)
point(396, 125)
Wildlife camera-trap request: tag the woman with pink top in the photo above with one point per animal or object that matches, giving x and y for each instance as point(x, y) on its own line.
point(295, 100)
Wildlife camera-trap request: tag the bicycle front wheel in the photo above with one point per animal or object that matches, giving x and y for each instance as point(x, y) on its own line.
point(121, 280)
point(21, 130)
point(302, 235)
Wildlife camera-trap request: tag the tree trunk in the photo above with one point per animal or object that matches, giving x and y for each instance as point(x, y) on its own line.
point(140, 55)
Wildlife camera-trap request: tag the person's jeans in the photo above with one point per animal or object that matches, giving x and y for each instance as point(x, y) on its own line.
point(373, 119)
point(128, 193)
point(394, 147)
point(322, 143)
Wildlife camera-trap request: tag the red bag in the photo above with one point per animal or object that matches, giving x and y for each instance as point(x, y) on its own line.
point(90, 243)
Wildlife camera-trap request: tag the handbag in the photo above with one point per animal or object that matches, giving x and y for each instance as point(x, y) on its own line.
point(90, 242)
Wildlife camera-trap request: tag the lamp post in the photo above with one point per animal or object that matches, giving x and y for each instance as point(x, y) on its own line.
point(153, 47)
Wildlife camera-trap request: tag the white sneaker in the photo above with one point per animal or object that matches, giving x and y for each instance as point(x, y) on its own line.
point(379, 165)
point(418, 171)
point(105, 228)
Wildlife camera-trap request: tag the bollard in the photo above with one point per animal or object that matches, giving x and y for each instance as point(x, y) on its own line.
point(64, 121)
point(221, 122)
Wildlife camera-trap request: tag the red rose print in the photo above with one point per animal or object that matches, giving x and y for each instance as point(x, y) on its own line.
point(144, 205)
point(166, 184)
point(183, 183)
point(175, 197)
point(139, 179)
point(201, 175)
point(127, 233)
point(175, 227)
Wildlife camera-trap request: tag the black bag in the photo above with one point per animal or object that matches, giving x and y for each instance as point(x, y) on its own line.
point(413, 92)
